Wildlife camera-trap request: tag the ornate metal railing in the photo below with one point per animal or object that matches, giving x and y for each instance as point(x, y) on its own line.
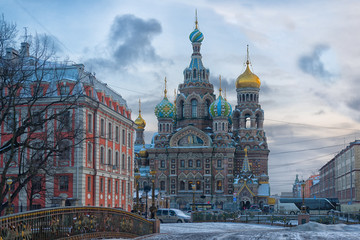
point(75, 223)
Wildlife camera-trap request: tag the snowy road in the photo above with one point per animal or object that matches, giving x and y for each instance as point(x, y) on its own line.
point(233, 231)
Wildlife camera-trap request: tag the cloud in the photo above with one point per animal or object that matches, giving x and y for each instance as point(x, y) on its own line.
point(130, 41)
point(314, 64)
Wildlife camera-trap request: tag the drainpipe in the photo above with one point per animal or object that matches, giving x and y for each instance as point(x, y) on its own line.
point(94, 153)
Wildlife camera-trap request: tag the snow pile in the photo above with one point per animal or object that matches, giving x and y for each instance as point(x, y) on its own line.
point(318, 227)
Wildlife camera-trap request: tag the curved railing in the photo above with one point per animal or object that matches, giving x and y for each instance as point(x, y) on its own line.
point(75, 223)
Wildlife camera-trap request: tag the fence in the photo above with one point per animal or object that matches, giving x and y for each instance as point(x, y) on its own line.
point(75, 223)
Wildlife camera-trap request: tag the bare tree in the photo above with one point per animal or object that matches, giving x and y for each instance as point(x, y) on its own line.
point(37, 96)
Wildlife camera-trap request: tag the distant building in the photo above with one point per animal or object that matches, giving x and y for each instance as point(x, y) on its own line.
point(313, 179)
point(99, 172)
point(296, 191)
point(327, 180)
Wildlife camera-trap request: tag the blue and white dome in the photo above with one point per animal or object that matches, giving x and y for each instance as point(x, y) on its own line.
point(220, 108)
point(196, 36)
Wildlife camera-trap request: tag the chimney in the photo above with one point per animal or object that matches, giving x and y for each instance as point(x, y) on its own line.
point(25, 49)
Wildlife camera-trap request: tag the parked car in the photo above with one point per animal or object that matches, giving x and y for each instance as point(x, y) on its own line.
point(172, 215)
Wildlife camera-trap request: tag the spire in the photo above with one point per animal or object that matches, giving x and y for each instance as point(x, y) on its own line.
point(246, 166)
point(165, 91)
point(247, 55)
point(220, 85)
point(175, 98)
point(196, 20)
point(139, 107)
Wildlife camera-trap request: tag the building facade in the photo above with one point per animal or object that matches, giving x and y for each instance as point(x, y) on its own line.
point(202, 148)
point(98, 171)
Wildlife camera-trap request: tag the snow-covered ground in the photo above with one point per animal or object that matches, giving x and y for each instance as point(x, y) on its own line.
point(202, 231)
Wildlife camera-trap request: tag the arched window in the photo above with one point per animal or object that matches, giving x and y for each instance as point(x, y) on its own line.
point(182, 109)
point(219, 185)
point(167, 127)
point(162, 185)
point(223, 126)
point(198, 185)
point(198, 163)
point(129, 163)
point(190, 163)
point(215, 126)
point(117, 160)
point(194, 108)
point(247, 122)
point(219, 163)
point(89, 153)
point(190, 183)
point(194, 73)
point(160, 127)
point(123, 162)
point(109, 157)
point(182, 185)
point(102, 155)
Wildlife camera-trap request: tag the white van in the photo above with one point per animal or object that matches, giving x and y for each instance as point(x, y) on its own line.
point(172, 215)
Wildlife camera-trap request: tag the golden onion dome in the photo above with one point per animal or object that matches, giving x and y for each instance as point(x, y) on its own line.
point(140, 122)
point(248, 79)
point(143, 153)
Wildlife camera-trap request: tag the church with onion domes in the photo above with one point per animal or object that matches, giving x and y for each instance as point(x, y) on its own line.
point(205, 150)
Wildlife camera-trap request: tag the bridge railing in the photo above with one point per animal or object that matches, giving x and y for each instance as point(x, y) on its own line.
point(74, 222)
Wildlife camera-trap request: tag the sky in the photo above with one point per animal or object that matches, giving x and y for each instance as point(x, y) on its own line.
point(304, 52)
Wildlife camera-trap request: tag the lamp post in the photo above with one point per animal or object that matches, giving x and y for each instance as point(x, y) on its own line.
point(9, 181)
point(193, 205)
point(303, 207)
point(137, 206)
point(146, 189)
point(153, 207)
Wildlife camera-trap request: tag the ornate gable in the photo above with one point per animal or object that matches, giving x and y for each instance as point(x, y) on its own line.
point(190, 137)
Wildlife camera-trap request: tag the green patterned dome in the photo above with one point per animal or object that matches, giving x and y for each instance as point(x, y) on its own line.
point(220, 108)
point(165, 109)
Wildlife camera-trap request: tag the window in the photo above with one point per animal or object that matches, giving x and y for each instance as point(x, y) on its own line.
point(110, 131)
point(116, 187)
point(182, 163)
point(198, 185)
point(219, 185)
point(89, 123)
point(123, 162)
point(64, 121)
point(190, 163)
point(11, 121)
point(36, 184)
point(129, 140)
point(198, 163)
point(182, 113)
point(102, 127)
point(89, 153)
point(206, 110)
point(128, 188)
point(64, 90)
point(117, 159)
point(162, 185)
point(190, 183)
point(101, 185)
point(37, 120)
point(194, 108)
point(122, 187)
point(63, 183)
point(89, 184)
point(117, 133)
point(64, 150)
point(110, 104)
point(109, 157)
point(129, 163)
point(102, 99)
point(109, 186)
point(123, 137)
point(194, 73)
point(162, 163)
point(102, 155)
point(182, 185)
point(219, 163)
point(38, 91)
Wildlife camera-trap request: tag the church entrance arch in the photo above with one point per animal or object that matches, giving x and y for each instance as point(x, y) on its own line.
point(245, 203)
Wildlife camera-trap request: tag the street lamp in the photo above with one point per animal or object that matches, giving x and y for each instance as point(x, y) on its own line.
point(137, 176)
point(9, 181)
point(153, 208)
point(303, 207)
point(146, 190)
point(193, 205)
